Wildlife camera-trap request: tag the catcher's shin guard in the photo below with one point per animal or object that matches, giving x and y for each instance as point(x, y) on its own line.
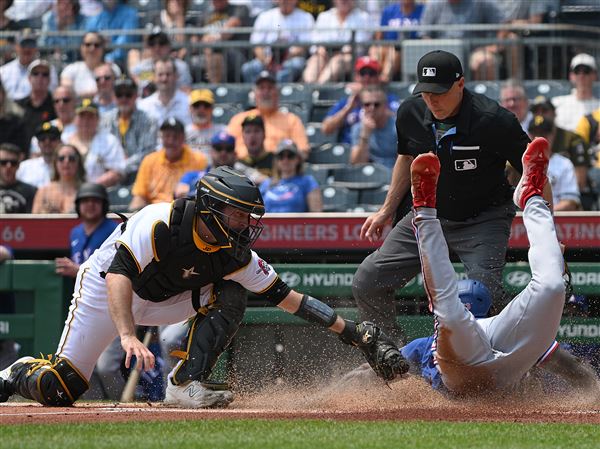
point(55, 384)
point(210, 334)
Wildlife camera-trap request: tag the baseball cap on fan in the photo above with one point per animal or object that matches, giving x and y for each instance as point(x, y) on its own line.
point(437, 71)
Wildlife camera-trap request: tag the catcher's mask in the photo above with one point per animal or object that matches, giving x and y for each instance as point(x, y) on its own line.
point(222, 187)
point(476, 296)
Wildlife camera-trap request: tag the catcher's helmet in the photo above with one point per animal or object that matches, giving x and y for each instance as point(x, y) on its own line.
point(475, 296)
point(223, 186)
point(91, 190)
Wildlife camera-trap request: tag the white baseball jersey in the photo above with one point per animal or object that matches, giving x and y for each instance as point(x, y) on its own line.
point(89, 327)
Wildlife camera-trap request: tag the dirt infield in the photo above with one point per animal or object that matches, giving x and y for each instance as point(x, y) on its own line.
point(408, 399)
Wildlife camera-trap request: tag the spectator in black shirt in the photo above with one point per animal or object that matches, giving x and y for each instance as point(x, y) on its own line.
point(474, 138)
point(38, 106)
point(16, 197)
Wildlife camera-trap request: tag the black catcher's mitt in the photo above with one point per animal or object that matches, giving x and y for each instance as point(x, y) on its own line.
point(380, 351)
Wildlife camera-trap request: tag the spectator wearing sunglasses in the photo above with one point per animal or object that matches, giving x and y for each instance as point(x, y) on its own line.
point(289, 189)
point(105, 83)
point(116, 15)
point(58, 196)
point(16, 197)
point(158, 46)
point(346, 112)
point(133, 128)
point(14, 73)
point(571, 108)
point(38, 106)
point(199, 133)
point(222, 152)
point(80, 75)
point(37, 171)
point(374, 136)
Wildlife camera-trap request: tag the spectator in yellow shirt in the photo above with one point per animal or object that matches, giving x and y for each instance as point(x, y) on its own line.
point(160, 171)
point(278, 125)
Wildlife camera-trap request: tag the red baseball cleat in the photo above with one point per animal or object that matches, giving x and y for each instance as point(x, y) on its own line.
point(535, 166)
point(424, 174)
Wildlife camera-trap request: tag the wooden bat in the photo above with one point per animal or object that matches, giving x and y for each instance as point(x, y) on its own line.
point(128, 394)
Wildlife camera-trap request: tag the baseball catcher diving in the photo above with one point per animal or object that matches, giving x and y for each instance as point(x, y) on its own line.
point(190, 259)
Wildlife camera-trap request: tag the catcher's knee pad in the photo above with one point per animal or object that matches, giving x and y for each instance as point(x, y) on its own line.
point(55, 384)
point(208, 336)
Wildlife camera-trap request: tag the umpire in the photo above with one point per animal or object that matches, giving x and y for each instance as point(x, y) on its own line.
point(474, 138)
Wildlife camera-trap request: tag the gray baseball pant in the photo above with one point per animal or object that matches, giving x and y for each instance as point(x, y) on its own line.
point(477, 356)
point(480, 243)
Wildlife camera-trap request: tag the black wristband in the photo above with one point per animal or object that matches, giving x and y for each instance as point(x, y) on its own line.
point(315, 311)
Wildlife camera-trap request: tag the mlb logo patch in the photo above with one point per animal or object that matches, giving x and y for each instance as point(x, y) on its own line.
point(465, 164)
point(429, 71)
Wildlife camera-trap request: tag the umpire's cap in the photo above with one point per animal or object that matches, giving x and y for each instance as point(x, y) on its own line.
point(475, 296)
point(437, 71)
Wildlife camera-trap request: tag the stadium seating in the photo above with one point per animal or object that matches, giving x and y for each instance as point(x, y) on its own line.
point(222, 113)
point(401, 90)
point(300, 111)
point(233, 93)
point(315, 136)
point(331, 155)
point(119, 197)
point(338, 199)
point(490, 89)
point(363, 176)
point(548, 88)
point(320, 173)
point(295, 94)
point(374, 197)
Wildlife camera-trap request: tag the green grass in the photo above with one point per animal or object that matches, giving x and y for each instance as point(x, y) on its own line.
point(263, 434)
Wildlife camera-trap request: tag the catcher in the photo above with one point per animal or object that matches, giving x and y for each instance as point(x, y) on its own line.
point(168, 263)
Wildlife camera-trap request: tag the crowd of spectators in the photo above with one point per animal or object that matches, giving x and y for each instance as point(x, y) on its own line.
point(142, 109)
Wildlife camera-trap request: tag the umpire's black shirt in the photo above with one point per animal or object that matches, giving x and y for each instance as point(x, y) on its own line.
point(472, 154)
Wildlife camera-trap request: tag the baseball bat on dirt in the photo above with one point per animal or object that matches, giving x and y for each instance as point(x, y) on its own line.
point(128, 394)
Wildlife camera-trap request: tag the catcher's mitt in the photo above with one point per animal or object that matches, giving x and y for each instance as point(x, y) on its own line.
point(379, 350)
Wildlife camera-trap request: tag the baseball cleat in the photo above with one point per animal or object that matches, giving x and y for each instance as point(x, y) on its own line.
point(5, 389)
point(535, 166)
point(424, 174)
point(195, 394)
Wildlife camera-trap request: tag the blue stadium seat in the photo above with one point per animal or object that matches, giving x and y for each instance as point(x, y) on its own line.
point(338, 199)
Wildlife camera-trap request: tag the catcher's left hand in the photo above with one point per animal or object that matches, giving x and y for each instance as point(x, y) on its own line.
point(380, 351)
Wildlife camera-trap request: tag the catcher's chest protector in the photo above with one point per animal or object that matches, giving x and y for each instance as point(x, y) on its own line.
point(181, 265)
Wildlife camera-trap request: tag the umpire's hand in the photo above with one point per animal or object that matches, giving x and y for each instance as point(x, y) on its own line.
point(134, 347)
point(372, 229)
